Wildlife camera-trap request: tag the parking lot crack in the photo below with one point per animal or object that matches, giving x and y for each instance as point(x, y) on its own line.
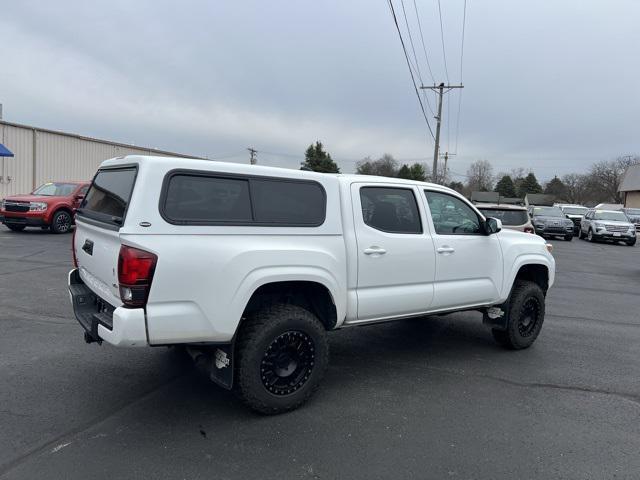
point(635, 399)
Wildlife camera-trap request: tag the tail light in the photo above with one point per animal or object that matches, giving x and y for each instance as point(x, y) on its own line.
point(73, 248)
point(135, 273)
point(528, 230)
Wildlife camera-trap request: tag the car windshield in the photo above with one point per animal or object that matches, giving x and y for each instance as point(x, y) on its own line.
point(617, 216)
point(633, 211)
point(547, 212)
point(508, 217)
point(55, 189)
point(575, 210)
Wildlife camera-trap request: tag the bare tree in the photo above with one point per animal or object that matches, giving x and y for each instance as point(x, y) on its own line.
point(480, 176)
point(385, 166)
point(604, 177)
point(576, 188)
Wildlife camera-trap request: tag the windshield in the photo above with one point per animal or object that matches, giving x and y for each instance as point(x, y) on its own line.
point(547, 212)
point(633, 211)
point(55, 189)
point(617, 216)
point(575, 210)
point(508, 217)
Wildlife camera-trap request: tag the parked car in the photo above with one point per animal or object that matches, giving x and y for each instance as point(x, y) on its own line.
point(633, 214)
point(612, 225)
point(575, 213)
point(514, 217)
point(51, 205)
point(249, 266)
point(551, 222)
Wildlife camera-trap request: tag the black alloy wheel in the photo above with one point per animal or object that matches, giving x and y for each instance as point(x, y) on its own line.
point(287, 363)
point(529, 317)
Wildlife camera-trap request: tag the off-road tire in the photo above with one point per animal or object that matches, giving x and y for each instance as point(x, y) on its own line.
point(256, 339)
point(15, 228)
point(519, 335)
point(568, 238)
point(61, 222)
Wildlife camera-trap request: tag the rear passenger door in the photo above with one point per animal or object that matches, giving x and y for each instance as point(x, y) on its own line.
point(469, 265)
point(396, 259)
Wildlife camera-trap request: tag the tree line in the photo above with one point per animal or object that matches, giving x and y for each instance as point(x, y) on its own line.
point(599, 184)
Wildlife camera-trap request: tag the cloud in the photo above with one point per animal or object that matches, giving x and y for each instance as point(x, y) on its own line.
point(547, 86)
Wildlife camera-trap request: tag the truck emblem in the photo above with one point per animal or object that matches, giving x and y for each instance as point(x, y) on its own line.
point(222, 359)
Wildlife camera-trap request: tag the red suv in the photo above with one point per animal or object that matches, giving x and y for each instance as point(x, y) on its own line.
point(52, 205)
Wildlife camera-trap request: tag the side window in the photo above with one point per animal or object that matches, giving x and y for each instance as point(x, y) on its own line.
point(205, 199)
point(389, 209)
point(452, 216)
point(288, 203)
point(192, 198)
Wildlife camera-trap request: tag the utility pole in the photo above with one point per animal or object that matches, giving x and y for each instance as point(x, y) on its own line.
point(446, 156)
point(253, 159)
point(440, 90)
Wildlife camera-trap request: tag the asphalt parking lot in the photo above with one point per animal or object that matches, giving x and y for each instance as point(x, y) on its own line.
point(428, 398)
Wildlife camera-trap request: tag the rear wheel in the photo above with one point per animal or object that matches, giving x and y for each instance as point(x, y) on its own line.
point(282, 354)
point(590, 236)
point(61, 222)
point(525, 315)
point(15, 228)
point(580, 234)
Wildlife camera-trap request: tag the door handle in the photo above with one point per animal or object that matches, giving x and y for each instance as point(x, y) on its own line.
point(374, 251)
point(446, 249)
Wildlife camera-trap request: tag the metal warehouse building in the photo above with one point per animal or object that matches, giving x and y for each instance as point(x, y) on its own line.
point(42, 155)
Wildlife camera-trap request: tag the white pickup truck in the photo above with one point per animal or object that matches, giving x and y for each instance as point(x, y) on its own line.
point(250, 266)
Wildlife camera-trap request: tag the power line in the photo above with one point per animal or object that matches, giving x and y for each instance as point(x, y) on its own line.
point(415, 57)
point(406, 56)
point(444, 53)
point(424, 48)
point(464, 22)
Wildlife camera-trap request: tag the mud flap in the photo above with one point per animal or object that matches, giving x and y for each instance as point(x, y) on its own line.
point(221, 367)
point(496, 317)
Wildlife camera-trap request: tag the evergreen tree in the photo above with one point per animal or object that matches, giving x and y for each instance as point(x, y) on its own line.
point(316, 159)
point(457, 186)
point(405, 172)
point(556, 187)
point(505, 187)
point(529, 185)
point(417, 172)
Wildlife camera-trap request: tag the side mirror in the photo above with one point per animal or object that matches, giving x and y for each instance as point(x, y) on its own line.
point(492, 225)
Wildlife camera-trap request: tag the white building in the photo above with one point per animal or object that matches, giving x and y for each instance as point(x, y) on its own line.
point(42, 155)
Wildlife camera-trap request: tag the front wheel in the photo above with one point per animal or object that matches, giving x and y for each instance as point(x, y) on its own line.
point(632, 242)
point(568, 238)
point(525, 315)
point(61, 222)
point(282, 355)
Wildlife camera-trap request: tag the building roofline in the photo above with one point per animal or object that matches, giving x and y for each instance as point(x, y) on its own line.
point(99, 140)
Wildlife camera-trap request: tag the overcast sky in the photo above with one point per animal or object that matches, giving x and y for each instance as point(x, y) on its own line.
point(549, 85)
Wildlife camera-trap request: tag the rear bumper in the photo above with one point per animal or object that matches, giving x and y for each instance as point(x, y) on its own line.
point(121, 327)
